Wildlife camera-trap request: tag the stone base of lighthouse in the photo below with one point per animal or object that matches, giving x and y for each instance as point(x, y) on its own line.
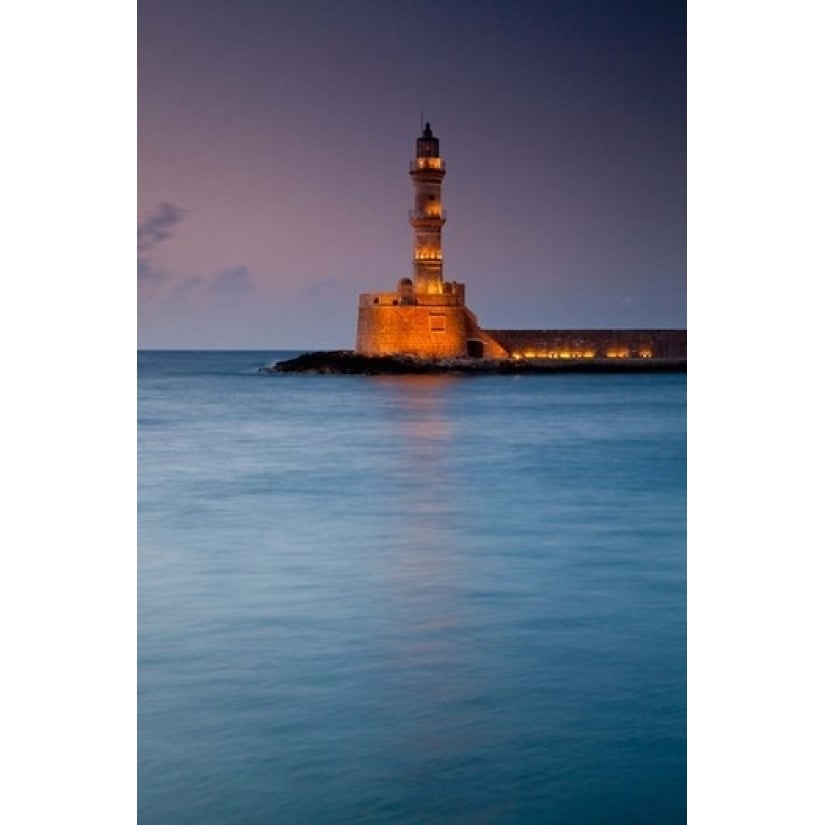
point(426, 326)
point(423, 331)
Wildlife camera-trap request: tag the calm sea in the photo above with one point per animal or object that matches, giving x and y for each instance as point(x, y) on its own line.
point(425, 599)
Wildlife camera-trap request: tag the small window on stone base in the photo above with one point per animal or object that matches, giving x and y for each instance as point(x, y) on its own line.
point(438, 322)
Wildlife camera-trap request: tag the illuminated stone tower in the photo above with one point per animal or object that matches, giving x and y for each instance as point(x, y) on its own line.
point(425, 315)
point(427, 216)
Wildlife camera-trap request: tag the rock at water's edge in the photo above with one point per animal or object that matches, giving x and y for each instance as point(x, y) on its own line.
point(347, 362)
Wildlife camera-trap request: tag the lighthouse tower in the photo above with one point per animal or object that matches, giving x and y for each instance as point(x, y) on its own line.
point(425, 316)
point(427, 216)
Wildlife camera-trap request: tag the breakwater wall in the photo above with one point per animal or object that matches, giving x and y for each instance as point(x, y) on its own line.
point(592, 343)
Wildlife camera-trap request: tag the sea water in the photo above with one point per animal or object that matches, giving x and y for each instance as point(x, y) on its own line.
point(408, 599)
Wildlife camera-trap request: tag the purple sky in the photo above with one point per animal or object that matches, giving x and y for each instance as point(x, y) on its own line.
point(274, 138)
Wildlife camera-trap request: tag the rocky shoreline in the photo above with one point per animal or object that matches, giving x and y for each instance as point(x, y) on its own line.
point(347, 362)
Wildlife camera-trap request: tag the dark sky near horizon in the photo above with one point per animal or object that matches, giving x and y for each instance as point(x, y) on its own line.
point(274, 138)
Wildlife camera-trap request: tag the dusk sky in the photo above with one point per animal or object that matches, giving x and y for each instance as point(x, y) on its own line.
point(274, 138)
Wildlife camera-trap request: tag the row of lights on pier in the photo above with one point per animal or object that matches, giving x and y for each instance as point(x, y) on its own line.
point(623, 353)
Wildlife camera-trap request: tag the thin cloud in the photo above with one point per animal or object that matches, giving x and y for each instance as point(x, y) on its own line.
point(324, 286)
point(233, 280)
point(156, 229)
point(158, 226)
point(147, 274)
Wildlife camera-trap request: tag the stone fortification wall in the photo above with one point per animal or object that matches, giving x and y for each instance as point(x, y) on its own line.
point(591, 343)
point(479, 342)
point(437, 330)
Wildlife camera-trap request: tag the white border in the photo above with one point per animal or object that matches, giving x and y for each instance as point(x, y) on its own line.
point(755, 175)
point(69, 527)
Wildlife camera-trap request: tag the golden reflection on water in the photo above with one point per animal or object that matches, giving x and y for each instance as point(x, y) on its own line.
point(424, 432)
point(427, 571)
point(422, 421)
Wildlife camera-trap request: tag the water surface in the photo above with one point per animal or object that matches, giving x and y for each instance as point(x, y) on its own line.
point(409, 599)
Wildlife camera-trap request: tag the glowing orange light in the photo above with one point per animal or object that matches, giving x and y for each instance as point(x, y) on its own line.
point(429, 163)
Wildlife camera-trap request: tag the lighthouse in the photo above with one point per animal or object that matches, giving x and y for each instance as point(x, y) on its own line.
point(427, 217)
point(425, 315)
